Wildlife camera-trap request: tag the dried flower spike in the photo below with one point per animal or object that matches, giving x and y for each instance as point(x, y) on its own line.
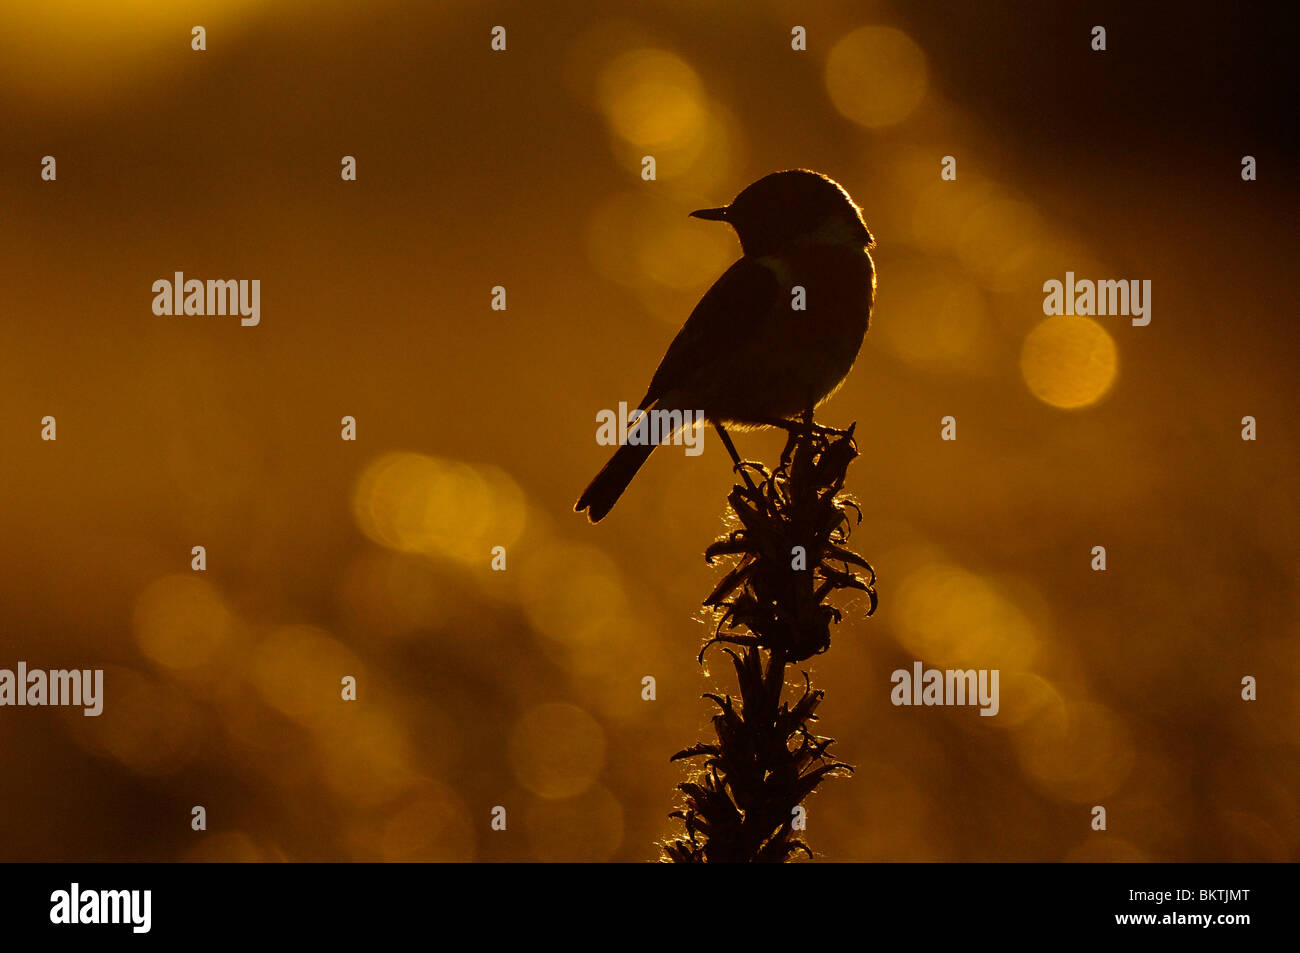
point(788, 554)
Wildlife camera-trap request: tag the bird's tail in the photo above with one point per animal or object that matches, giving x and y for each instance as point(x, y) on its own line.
point(603, 492)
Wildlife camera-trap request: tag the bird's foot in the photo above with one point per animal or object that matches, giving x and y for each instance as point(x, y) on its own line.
point(831, 431)
point(804, 426)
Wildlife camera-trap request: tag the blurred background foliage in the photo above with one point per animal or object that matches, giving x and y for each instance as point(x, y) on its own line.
point(476, 428)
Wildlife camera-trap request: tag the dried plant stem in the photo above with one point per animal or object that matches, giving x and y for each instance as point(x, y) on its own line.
point(789, 556)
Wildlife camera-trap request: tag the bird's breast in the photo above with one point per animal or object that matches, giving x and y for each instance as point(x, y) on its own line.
point(838, 282)
point(812, 336)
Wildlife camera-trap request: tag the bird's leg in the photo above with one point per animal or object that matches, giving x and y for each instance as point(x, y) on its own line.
point(803, 425)
point(739, 465)
point(726, 442)
point(790, 443)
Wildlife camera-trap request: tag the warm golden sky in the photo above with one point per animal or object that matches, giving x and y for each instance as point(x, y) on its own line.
point(476, 427)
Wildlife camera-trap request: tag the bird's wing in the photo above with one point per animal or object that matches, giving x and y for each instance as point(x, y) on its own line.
point(744, 294)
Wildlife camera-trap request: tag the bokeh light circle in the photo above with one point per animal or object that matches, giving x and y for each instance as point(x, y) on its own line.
point(876, 76)
point(652, 98)
point(1069, 361)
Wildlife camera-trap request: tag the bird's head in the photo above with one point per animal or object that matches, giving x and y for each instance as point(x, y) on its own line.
point(788, 208)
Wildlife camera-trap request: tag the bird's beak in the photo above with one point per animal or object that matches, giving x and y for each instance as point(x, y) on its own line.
point(712, 214)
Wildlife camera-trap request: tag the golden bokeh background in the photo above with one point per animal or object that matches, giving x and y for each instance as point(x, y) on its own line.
point(523, 688)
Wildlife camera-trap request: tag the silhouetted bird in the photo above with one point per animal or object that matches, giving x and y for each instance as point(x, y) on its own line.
point(746, 356)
